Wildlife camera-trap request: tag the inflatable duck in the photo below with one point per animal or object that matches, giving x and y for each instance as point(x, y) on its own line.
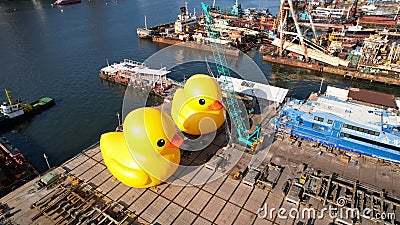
point(197, 108)
point(146, 153)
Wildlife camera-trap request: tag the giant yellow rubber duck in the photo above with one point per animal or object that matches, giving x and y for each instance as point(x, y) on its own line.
point(146, 153)
point(197, 108)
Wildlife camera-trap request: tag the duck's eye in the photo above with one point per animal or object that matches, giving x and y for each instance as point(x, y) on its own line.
point(202, 101)
point(160, 143)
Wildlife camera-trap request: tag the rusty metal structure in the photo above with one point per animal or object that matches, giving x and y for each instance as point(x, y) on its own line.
point(286, 8)
point(79, 203)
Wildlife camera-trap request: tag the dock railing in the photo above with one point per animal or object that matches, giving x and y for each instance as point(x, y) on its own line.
point(134, 62)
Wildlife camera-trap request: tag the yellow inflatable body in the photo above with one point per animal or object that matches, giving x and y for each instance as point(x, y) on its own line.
point(146, 153)
point(197, 108)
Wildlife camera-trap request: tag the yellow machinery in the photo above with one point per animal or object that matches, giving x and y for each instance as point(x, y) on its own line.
point(10, 101)
point(303, 179)
point(237, 175)
point(26, 107)
point(336, 36)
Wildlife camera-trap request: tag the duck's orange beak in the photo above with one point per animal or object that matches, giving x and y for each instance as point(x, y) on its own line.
point(217, 105)
point(175, 142)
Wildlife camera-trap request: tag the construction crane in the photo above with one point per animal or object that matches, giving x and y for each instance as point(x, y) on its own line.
point(309, 10)
point(244, 136)
point(286, 7)
point(26, 107)
point(10, 101)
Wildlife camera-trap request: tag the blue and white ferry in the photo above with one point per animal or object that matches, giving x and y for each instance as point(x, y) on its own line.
point(355, 120)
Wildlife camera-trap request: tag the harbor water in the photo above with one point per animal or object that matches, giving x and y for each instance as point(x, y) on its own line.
point(58, 52)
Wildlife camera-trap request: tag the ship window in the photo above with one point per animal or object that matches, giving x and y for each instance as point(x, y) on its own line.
point(370, 141)
point(317, 118)
point(330, 121)
point(344, 134)
point(361, 130)
point(371, 132)
point(377, 133)
point(345, 125)
point(317, 127)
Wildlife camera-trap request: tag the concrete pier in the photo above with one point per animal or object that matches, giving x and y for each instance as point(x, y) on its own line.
point(223, 201)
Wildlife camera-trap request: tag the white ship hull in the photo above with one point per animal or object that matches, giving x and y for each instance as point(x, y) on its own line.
point(143, 33)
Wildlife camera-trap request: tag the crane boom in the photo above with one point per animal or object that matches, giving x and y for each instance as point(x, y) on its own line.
point(10, 101)
point(232, 103)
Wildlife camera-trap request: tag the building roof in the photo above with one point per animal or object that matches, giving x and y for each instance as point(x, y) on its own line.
point(373, 97)
point(339, 93)
point(264, 91)
point(364, 115)
point(361, 95)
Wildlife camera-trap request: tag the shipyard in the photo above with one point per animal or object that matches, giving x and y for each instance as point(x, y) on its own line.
point(82, 190)
point(358, 41)
point(221, 145)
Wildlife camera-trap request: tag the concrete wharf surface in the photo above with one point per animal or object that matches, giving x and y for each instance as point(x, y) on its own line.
point(223, 201)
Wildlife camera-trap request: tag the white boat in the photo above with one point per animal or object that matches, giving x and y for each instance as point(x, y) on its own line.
point(138, 75)
point(144, 32)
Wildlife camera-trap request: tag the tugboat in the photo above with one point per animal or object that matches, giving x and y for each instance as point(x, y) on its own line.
point(12, 112)
point(65, 2)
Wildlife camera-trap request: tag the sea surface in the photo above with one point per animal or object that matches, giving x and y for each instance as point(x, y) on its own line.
point(57, 51)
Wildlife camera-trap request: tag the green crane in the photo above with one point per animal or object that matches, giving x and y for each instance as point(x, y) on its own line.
point(249, 139)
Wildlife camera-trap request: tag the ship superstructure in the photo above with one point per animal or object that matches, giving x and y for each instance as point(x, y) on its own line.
point(11, 109)
point(137, 74)
point(12, 112)
point(185, 20)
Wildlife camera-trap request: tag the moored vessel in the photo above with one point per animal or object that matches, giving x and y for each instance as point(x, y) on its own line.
point(356, 120)
point(13, 112)
point(15, 168)
point(138, 75)
point(144, 32)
